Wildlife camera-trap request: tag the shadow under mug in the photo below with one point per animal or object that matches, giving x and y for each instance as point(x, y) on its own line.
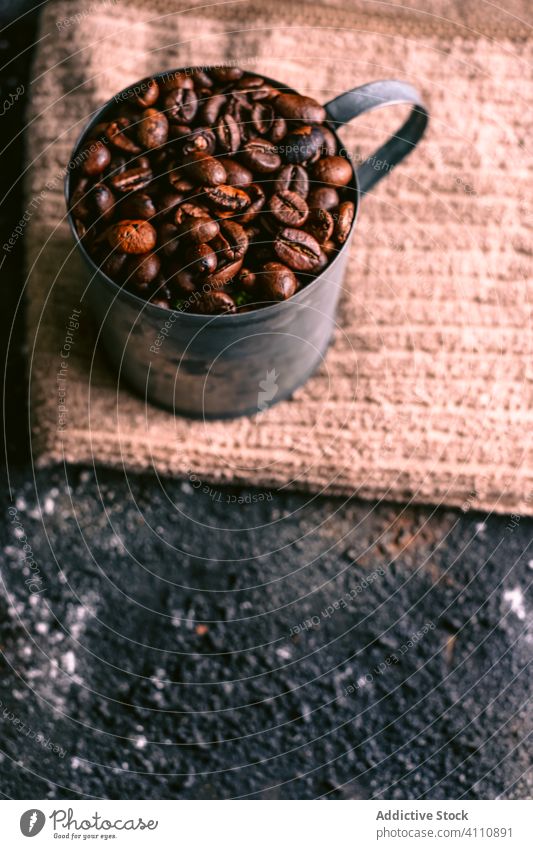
point(231, 365)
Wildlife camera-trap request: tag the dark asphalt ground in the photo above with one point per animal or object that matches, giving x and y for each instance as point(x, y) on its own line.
point(186, 647)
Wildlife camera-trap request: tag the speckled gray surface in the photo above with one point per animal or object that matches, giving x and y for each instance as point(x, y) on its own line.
point(176, 643)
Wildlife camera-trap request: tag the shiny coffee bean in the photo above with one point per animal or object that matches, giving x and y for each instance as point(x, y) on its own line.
point(143, 269)
point(292, 178)
point(131, 180)
point(102, 201)
point(204, 169)
point(228, 133)
point(181, 281)
point(247, 280)
point(168, 239)
point(320, 224)
point(333, 170)
point(224, 274)
point(263, 117)
point(132, 236)
point(211, 109)
point(152, 130)
point(343, 224)
point(302, 144)
point(297, 249)
point(237, 174)
point(277, 282)
point(201, 140)
point(261, 156)
point(168, 201)
point(114, 265)
point(201, 259)
point(215, 303)
point(233, 241)
point(228, 198)
point(138, 205)
point(117, 135)
point(96, 158)
point(180, 105)
point(329, 144)
point(300, 108)
point(226, 75)
point(278, 130)
point(148, 94)
point(173, 80)
point(323, 197)
point(288, 208)
point(257, 201)
point(194, 224)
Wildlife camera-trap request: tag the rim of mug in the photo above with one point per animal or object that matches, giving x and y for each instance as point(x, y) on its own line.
point(196, 318)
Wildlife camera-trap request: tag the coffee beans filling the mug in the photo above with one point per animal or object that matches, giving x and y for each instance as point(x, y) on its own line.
point(211, 191)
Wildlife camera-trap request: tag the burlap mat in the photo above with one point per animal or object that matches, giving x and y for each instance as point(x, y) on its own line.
point(426, 394)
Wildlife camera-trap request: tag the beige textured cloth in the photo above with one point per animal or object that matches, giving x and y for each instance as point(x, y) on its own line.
point(426, 393)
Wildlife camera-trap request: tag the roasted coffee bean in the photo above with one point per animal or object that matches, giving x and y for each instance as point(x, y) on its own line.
point(298, 249)
point(233, 241)
point(226, 75)
point(225, 272)
point(302, 144)
point(329, 144)
point(333, 170)
point(288, 208)
point(277, 282)
point(161, 301)
point(114, 265)
point(201, 259)
point(181, 281)
point(228, 198)
point(279, 129)
point(343, 224)
point(96, 158)
point(176, 79)
point(116, 133)
point(138, 205)
point(131, 180)
point(261, 156)
point(215, 303)
point(180, 105)
point(152, 130)
point(168, 201)
point(194, 224)
point(263, 116)
point(143, 269)
point(216, 168)
point(201, 79)
point(228, 133)
point(211, 108)
point(148, 94)
point(300, 108)
point(320, 224)
point(132, 237)
point(292, 178)
point(323, 197)
point(237, 174)
point(204, 169)
point(201, 140)
point(257, 202)
point(168, 238)
point(247, 280)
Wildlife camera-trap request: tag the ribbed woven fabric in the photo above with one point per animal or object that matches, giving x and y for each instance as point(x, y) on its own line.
point(426, 393)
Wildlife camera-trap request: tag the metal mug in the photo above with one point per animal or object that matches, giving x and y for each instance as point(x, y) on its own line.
point(231, 365)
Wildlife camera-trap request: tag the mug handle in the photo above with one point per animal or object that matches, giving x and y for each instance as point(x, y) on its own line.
point(372, 96)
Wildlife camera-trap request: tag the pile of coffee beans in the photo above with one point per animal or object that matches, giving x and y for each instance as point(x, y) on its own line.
point(212, 191)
